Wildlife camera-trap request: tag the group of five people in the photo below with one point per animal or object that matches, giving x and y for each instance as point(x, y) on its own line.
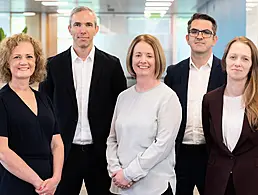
point(198, 128)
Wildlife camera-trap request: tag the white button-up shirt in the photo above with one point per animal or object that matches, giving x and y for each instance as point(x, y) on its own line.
point(82, 72)
point(197, 87)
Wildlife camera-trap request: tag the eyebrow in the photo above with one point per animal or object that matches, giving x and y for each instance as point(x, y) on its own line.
point(16, 54)
point(82, 23)
point(240, 54)
point(200, 30)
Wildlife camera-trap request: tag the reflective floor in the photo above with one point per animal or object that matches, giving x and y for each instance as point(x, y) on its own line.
point(84, 192)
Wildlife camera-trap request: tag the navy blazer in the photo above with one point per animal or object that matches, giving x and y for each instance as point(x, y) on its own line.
point(242, 161)
point(107, 81)
point(177, 79)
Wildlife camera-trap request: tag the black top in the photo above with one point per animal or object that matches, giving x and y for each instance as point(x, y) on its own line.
point(29, 136)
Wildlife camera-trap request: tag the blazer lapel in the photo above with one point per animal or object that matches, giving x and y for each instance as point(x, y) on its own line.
point(68, 71)
point(217, 110)
point(184, 81)
point(214, 75)
point(96, 72)
point(246, 129)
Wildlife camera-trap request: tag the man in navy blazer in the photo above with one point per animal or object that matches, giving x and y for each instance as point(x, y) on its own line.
point(191, 79)
point(83, 83)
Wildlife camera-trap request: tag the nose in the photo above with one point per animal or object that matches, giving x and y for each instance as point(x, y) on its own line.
point(83, 29)
point(199, 36)
point(238, 62)
point(143, 59)
point(23, 61)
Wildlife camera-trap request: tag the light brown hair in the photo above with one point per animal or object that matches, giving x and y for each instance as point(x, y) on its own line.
point(250, 96)
point(6, 48)
point(160, 59)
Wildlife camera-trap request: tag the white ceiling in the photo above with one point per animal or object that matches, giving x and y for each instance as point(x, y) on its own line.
point(100, 6)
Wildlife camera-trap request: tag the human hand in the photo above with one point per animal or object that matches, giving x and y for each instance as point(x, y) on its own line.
point(120, 181)
point(48, 187)
point(38, 182)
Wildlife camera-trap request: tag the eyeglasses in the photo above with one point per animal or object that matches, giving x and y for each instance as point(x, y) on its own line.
point(205, 33)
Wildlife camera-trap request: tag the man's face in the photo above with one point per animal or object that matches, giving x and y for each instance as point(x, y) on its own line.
point(83, 29)
point(201, 42)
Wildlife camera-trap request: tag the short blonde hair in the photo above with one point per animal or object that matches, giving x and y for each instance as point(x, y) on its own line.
point(159, 55)
point(6, 48)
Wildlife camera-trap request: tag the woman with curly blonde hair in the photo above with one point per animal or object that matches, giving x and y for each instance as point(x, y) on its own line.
point(31, 148)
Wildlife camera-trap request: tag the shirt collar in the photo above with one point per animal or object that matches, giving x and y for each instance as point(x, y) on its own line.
point(75, 56)
point(209, 63)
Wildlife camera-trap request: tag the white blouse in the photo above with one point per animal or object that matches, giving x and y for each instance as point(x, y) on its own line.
point(232, 120)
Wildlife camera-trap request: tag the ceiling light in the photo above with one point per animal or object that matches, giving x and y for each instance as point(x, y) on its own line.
point(29, 13)
point(161, 0)
point(53, 3)
point(157, 8)
point(154, 11)
point(251, 4)
point(158, 4)
point(47, 0)
point(64, 11)
point(148, 14)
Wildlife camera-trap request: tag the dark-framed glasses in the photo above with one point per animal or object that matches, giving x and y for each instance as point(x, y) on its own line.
point(205, 33)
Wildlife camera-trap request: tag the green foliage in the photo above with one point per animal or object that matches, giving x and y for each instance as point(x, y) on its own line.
point(25, 30)
point(2, 35)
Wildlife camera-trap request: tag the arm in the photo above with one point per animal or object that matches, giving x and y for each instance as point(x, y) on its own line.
point(206, 122)
point(15, 165)
point(111, 152)
point(57, 148)
point(49, 186)
point(169, 119)
point(9, 159)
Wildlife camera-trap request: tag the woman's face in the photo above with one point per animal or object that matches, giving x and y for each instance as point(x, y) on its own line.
point(22, 61)
point(238, 61)
point(143, 60)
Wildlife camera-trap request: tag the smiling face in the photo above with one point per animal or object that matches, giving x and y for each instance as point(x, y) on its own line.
point(198, 43)
point(143, 60)
point(22, 61)
point(83, 28)
point(238, 61)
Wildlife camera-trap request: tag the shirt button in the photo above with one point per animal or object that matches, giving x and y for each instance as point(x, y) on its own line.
point(231, 157)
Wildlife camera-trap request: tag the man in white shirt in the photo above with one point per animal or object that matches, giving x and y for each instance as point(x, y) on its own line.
point(191, 79)
point(83, 83)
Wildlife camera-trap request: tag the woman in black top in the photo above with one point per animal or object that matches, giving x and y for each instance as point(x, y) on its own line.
point(31, 148)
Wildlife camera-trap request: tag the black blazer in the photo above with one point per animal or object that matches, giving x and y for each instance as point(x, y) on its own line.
point(242, 161)
point(177, 79)
point(107, 81)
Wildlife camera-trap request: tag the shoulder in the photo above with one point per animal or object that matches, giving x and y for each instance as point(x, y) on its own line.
point(214, 94)
point(105, 55)
point(43, 97)
point(216, 60)
point(53, 60)
point(128, 92)
point(4, 91)
point(167, 92)
point(178, 66)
